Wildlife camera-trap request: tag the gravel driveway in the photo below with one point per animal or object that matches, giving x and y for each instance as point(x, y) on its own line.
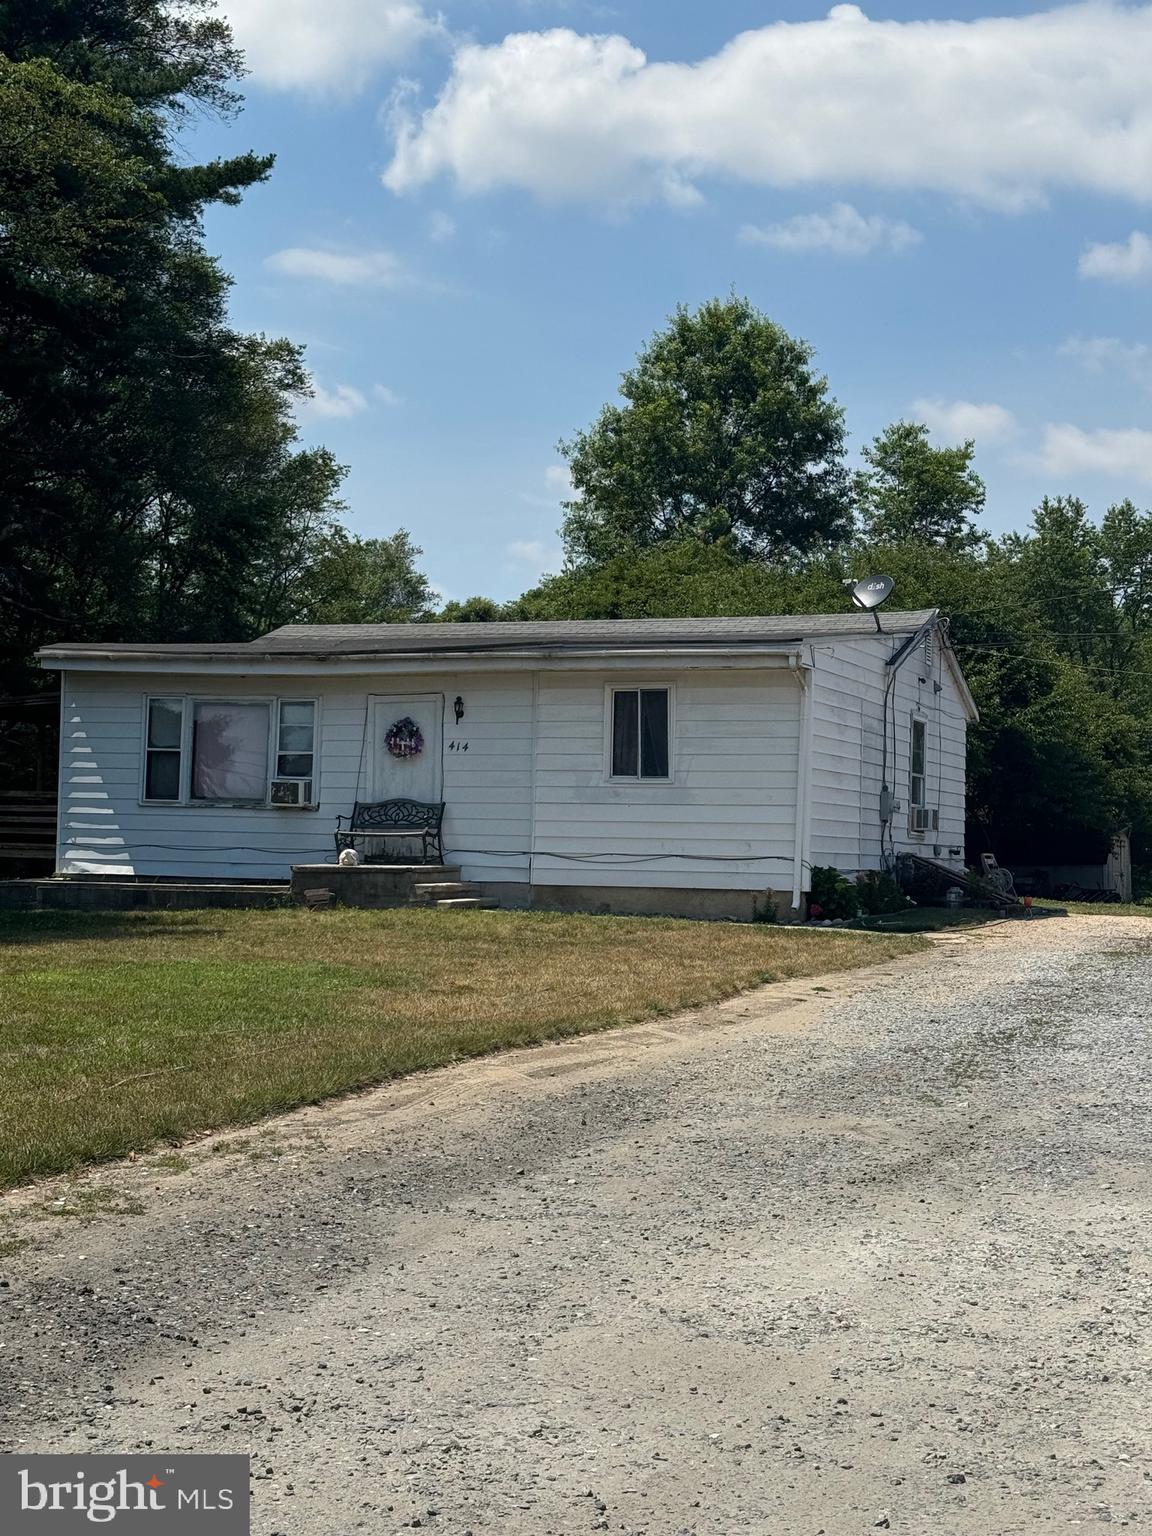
point(863, 1253)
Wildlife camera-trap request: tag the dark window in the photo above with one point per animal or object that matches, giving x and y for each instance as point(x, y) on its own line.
point(918, 762)
point(640, 733)
point(296, 739)
point(162, 763)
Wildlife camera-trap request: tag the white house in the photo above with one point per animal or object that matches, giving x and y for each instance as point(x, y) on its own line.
point(671, 765)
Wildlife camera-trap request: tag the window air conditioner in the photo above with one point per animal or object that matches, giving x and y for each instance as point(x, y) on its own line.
point(921, 819)
point(291, 792)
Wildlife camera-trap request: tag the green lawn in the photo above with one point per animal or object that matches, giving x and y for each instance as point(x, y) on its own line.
point(1099, 908)
point(928, 919)
point(122, 1030)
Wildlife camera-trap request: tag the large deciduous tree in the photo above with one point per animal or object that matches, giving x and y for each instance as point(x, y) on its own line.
point(150, 470)
point(726, 433)
point(911, 490)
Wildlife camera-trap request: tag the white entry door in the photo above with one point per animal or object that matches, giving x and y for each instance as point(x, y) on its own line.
point(416, 778)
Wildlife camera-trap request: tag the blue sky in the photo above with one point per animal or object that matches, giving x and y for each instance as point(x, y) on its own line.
point(480, 213)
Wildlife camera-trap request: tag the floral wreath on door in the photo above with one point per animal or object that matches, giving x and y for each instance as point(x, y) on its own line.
point(404, 738)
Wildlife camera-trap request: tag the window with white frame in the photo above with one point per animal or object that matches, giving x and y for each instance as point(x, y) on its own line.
point(918, 763)
point(162, 777)
point(640, 733)
point(295, 738)
point(222, 751)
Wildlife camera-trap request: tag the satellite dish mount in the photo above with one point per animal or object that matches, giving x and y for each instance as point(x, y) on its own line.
point(870, 593)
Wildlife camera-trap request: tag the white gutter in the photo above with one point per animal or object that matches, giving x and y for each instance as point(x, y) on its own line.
point(802, 672)
point(375, 663)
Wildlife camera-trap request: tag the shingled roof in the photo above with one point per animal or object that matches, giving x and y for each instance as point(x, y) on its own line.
point(316, 641)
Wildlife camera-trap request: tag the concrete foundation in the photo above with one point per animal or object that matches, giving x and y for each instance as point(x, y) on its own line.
point(647, 901)
point(74, 894)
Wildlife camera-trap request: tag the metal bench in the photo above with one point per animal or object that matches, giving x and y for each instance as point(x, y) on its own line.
point(377, 819)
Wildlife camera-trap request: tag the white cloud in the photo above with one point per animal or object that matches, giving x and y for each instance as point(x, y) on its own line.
point(1002, 110)
point(340, 401)
point(558, 487)
point(843, 231)
point(334, 46)
point(1108, 354)
point(1128, 261)
point(1070, 450)
point(386, 396)
point(558, 479)
point(536, 557)
point(441, 227)
point(958, 420)
point(348, 269)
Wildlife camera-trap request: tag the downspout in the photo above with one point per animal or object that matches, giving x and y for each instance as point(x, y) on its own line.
point(532, 788)
point(57, 854)
point(801, 846)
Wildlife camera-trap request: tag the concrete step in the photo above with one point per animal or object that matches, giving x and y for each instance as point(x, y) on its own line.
point(436, 890)
point(458, 903)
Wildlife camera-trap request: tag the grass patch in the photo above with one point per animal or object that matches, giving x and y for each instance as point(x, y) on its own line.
point(1099, 908)
point(927, 919)
point(119, 1031)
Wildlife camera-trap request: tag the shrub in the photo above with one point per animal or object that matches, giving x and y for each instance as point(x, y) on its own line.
point(833, 893)
point(879, 892)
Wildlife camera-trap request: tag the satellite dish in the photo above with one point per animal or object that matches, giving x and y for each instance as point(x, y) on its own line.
point(872, 591)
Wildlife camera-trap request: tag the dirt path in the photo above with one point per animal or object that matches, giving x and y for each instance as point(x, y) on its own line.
point(863, 1253)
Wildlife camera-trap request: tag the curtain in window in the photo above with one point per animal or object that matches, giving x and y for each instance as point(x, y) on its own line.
point(229, 751)
point(654, 733)
point(625, 735)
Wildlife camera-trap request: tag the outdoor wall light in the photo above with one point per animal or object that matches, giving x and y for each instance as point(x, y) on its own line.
point(458, 707)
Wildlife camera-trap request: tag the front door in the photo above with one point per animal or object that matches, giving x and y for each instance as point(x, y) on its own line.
point(420, 775)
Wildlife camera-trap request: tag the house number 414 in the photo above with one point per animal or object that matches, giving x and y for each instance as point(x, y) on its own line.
point(457, 746)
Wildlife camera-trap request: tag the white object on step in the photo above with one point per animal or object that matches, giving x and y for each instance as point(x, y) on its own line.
point(349, 858)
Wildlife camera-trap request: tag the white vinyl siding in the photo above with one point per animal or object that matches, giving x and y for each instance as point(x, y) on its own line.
point(108, 827)
point(532, 795)
point(849, 762)
point(726, 820)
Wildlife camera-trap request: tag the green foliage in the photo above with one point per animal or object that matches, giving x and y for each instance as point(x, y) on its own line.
point(475, 610)
point(726, 433)
point(1053, 628)
point(912, 491)
point(878, 892)
point(833, 894)
point(152, 482)
point(347, 580)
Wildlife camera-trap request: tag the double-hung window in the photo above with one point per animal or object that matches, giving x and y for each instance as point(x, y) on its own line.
point(640, 733)
point(295, 738)
point(918, 762)
point(162, 756)
point(227, 751)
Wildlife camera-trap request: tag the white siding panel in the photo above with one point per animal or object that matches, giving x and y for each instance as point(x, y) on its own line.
point(105, 829)
point(853, 754)
point(726, 820)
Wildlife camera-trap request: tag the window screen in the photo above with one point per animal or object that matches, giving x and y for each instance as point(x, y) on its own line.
point(229, 751)
point(162, 753)
point(640, 733)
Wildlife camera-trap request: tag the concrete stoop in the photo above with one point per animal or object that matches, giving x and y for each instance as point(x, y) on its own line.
point(378, 886)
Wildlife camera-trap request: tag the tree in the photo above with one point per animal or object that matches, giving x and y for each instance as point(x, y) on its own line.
point(912, 490)
point(347, 580)
point(474, 610)
point(726, 433)
point(150, 471)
